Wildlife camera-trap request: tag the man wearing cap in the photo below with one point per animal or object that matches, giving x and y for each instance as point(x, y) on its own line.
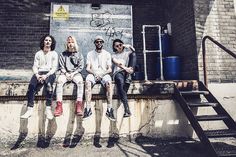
point(99, 68)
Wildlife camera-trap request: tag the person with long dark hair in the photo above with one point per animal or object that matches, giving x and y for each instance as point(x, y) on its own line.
point(44, 68)
point(124, 60)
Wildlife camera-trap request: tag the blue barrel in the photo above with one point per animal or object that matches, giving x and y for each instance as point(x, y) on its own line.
point(171, 68)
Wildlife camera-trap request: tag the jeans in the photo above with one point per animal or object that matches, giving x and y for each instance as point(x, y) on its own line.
point(77, 79)
point(122, 87)
point(35, 86)
point(121, 80)
point(132, 63)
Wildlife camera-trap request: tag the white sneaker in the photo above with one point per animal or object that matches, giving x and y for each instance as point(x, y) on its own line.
point(28, 113)
point(48, 113)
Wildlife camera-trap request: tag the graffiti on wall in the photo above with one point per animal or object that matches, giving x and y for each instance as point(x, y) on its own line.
point(110, 21)
point(103, 21)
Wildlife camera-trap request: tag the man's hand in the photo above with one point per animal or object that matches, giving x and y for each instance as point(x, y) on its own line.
point(40, 78)
point(69, 77)
point(97, 77)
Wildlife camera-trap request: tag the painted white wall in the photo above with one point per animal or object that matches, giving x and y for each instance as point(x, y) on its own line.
point(226, 95)
point(155, 118)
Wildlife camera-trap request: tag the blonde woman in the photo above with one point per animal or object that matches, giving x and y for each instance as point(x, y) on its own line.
point(71, 64)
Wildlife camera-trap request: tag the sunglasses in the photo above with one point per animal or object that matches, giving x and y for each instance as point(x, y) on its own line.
point(99, 41)
point(119, 45)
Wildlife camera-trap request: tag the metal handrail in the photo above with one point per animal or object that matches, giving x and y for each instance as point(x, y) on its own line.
point(148, 51)
point(204, 53)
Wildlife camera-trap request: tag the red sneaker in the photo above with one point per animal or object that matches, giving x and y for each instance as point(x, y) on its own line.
point(59, 110)
point(79, 108)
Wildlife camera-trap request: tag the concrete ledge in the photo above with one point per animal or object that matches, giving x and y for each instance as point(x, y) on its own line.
point(154, 113)
point(137, 88)
point(157, 118)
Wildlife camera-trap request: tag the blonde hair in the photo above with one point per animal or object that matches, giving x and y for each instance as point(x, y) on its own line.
point(76, 45)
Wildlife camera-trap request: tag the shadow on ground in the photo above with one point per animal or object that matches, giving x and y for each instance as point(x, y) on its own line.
point(180, 147)
point(115, 146)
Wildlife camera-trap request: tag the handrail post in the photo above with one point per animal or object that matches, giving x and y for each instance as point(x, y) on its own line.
point(204, 60)
point(144, 55)
point(204, 54)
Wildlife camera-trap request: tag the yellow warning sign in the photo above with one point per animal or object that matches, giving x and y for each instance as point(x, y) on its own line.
point(60, 12)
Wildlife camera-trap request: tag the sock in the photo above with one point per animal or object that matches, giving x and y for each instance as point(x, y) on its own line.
point(48, 107)
point(79, 99)
point(109, 106)
point(88, 106)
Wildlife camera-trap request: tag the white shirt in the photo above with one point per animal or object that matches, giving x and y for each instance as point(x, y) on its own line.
point(45, 62)
point(99, 61)
point(122, 58)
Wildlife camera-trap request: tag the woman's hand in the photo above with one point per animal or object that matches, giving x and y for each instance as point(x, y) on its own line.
point(129, 70)
point(128, 46)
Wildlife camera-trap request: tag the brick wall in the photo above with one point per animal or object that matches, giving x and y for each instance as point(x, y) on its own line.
point(22, 23)
point(181, 16)
point(147, 13)
point(216, 19)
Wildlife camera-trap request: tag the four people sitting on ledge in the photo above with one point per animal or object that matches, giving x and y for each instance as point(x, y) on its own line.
point(71, 63)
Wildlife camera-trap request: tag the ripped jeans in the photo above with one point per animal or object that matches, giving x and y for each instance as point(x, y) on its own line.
point(35, 86)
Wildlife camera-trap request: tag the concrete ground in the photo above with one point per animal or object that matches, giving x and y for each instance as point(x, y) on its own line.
point(138, 147)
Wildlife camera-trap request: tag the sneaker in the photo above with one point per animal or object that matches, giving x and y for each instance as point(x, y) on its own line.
point(58, 110)
point(28, 113)
point(110, 114)
point(87, 113)
point(127, 114)
point(127, 111)
point(79, 108)
point(48, 113)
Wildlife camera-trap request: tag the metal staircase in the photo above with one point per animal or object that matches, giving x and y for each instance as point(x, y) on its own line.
point(185, 97)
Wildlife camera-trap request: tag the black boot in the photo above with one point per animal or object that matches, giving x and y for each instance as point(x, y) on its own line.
point(41, 141)
point(66, 142)
point(47, 141)
point(96, 141)
point(127, 111)
point(76, 139)
point(112, 140)
point(20, 139)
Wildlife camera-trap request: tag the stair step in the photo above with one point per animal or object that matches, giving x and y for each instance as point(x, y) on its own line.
point(224, 150)
point(203, 104)
point(220, 133)
point(194, 92)
point(226, 153)
point(211, 117)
